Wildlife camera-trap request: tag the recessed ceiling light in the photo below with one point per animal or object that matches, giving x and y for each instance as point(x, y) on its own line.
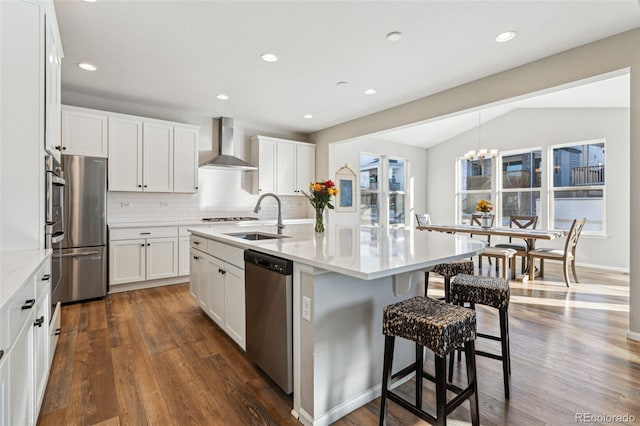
point(87, 67)
point(269, 57)
point(506, 36)
point(342, 83)
point(308, 116)
point(370, 92)
point(222, 97)
point(394, 36)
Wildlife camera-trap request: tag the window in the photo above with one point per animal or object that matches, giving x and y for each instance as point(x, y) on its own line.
point(380, 175)
point(578, 184)
point(520, 186)
point(474, 185)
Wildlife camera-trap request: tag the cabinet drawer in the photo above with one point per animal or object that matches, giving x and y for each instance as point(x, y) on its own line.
point(147, 232)
point(226, 253)
point(198, 243)
point(43, 278)
point(24, 297)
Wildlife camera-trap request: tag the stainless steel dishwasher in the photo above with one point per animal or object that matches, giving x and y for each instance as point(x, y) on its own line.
point(269, 315)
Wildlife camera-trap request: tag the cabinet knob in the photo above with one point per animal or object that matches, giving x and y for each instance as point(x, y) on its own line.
point(145, 186)
point(196, 187)
point(142, 245)
point(46, 277)
point(196, 257)
point(148, 244)
point(28, 304)
point(57, 147)
point(57, 332)
point(139, 186)
point(64, 148)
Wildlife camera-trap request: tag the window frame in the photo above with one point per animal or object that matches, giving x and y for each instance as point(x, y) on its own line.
point(460, 192)
point(500, 190)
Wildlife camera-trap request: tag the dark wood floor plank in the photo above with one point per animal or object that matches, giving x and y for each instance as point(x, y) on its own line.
point(151, 323)
point(57, 393)
point(123, 327)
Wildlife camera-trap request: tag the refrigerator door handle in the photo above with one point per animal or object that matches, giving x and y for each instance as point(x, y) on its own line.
point(86, 253)
point(57, 237)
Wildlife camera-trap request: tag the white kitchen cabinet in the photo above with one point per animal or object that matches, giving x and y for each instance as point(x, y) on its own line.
point(162, 258)
point(127, 261)
point(4, 389)
point(54, 331)
point(185, 159)
point(125, 153)
point(41, 346)
point(234, 304)
point(264, 154)
point(53, 73)
point(141, 254)
point(21, 377)
point(183, 255)
point(284, 167)
point(84, 132)
point(218, 285)
point(157, 157)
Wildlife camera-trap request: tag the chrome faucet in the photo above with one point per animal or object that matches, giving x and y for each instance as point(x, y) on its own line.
point(257, 208)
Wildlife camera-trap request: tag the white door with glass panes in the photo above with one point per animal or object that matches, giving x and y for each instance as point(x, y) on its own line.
point(157, 157)
point(125, 154)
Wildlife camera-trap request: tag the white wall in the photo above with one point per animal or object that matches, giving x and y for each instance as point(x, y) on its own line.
point(221, 192)
point(349, 153)
point(529, 128)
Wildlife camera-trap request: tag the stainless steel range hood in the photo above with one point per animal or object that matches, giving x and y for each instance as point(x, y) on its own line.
point(226, 159)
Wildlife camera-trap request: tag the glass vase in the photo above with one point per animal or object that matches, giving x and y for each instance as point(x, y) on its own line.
point(319, 224)
point(485, 220)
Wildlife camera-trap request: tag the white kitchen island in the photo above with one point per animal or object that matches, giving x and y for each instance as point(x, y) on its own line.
point(349, 273)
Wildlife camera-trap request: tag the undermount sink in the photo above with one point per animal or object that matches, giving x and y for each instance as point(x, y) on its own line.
point(255, 236)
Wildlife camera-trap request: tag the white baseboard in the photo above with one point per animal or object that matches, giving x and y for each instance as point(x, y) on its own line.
point(119, 288)
point(632, 335)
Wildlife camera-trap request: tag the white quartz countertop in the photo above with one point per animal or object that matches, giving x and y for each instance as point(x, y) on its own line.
point(360, 252)
point(15, 268)
point(199, 222)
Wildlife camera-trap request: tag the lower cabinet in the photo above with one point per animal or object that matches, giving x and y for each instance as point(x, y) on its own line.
point(41, 346)
point(218, 287)
point(20, 378)
point(140, 254)
point(4, 389)
point(184, 252)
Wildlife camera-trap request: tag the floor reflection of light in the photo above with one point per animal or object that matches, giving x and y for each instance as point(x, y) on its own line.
point(525, 300)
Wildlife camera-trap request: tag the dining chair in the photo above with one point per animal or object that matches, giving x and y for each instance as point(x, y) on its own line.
point(520, 222)
point(423, 219)
point(566, 256)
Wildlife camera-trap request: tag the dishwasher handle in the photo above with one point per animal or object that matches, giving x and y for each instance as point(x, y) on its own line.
point(266, 261)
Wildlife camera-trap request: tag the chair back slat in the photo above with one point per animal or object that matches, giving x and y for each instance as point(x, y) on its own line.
point(573, 235)
point(475, 220)
point(522, 222)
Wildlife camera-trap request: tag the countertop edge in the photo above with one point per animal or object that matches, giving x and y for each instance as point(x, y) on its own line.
point(17, 266)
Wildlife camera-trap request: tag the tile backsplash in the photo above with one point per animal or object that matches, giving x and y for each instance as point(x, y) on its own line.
point(221, 193)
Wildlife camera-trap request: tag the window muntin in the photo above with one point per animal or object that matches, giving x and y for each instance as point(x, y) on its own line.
point(520, 187)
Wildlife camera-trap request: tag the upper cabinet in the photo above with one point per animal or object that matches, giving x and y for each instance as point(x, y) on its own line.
point(284, 167)
point(185, 159)
point(84, 132)
point(52, 74)
point(145, 155)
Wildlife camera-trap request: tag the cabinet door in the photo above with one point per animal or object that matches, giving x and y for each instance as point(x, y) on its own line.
point(53, 67)
point(305, 167)
point(41, 348)
point(183, 256)
point(185, 159)
point(195, 276)
point(285, 168)
point(84, 133)
point(162, 258)
point(4, 389)
point(54, 331)
point(234, 320)
point(127, 261)
point(21, 377)
point(157, 157)
point(125, 154)
point(266, 166)
point(213, 285)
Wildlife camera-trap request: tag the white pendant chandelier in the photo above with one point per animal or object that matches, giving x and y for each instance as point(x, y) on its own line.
point(481, 153)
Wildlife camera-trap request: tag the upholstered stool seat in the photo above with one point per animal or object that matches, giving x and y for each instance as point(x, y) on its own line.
point(442, 328)
point(500, 254)
point(493, 292)
point(449, 270)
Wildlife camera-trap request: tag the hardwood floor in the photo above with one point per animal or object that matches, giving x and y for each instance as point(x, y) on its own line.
point(152, 357)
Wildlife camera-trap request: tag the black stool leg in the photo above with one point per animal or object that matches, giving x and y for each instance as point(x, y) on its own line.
point(386, 376)
point(426, 283)
point(506, 356)
point(441, 390)
point(470, 357)
point(419, 366)
point(447, 288)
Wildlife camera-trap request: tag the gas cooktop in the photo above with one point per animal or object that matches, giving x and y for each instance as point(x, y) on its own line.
point(228, 219)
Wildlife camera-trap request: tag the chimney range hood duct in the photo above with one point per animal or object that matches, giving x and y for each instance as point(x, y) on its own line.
point(226, 159)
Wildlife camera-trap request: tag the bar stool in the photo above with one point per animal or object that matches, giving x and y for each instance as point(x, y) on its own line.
point(442, 328)
point(493, 292)
point(449, 270)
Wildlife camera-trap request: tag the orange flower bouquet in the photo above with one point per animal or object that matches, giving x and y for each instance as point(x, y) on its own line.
point(484, 206)
point(319, 196)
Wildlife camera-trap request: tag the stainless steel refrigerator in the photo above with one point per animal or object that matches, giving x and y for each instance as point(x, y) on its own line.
point(84, 254)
